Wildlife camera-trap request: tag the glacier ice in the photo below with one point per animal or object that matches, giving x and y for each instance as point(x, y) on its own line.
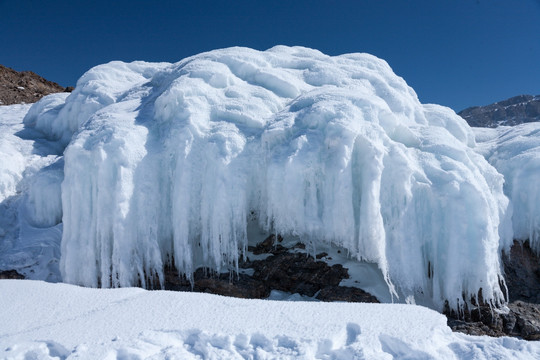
point(174, 161)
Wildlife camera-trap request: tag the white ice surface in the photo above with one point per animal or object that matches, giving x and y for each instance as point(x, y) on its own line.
point(14, 151)
point(515, 153)
point(30, 199)
point(173, 160)
point(50, 321)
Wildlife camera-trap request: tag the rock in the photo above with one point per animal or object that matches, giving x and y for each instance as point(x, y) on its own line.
point(527, 324)
point(297, 273)
point(472, 328)
point(285, 270)
point(268, 245)
point(345, 293)
point(24, 87)
point(11, 274)
point(517, 110)
point(204, 280)
point(522, 269)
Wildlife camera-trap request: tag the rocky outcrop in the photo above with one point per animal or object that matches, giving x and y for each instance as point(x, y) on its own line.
point(522, 273)
point(522, 317)
point(10, 274)
point(285, 269)
point(204, 280)
point(517, 110)
point(25, 87)
point(345, 293)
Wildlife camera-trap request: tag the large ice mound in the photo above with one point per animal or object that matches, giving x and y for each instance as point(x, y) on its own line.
point(172, 161)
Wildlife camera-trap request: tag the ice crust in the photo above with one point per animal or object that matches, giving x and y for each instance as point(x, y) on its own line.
point(175, 160)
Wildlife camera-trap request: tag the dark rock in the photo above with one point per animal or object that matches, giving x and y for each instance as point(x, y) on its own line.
point(268, 245)
point(472, 328)
point(345, 293)
point(517, 110)
point(527, 324)
point(297, 273)
point(24, 87)
point(522, 269)
point(204, 280)
point(11, 274)
point(284, 270)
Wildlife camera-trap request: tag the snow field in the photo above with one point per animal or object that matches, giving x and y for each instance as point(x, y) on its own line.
point(46, 321)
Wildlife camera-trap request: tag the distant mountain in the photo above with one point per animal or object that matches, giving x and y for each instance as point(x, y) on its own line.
point(25, 86)
point(517, 110)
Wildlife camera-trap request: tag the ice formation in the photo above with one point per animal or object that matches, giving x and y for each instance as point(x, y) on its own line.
point(515, 153)
point(30, 199)
point(172, 161)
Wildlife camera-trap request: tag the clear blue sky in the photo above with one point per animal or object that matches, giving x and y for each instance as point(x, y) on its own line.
point(457, 53)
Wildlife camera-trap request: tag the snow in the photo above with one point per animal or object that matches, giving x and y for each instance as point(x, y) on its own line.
point(515, 153)
point(45, 321)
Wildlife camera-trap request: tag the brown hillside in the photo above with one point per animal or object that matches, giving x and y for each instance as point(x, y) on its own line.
point(25, 87)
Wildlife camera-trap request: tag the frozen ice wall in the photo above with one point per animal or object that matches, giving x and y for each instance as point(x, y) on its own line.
point(515, 153)
point(173, 160)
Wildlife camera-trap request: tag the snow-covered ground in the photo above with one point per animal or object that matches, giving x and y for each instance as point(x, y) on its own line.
point(59, 321)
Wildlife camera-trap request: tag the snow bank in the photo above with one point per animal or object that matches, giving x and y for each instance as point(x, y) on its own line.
point(69, 322)
point(515, 153)
point(174, 161)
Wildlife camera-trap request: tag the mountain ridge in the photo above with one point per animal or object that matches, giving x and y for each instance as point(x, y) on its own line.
point(513, 111)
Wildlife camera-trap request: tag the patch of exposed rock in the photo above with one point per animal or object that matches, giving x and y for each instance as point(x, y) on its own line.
point(284, 269)
point(522, 318)
point(207, 281)
point(514, 111)
point(522, 273)
point(10, 274)
point(25, 87)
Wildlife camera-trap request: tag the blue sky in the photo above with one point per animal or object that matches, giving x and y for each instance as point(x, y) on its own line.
point(457, 53)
